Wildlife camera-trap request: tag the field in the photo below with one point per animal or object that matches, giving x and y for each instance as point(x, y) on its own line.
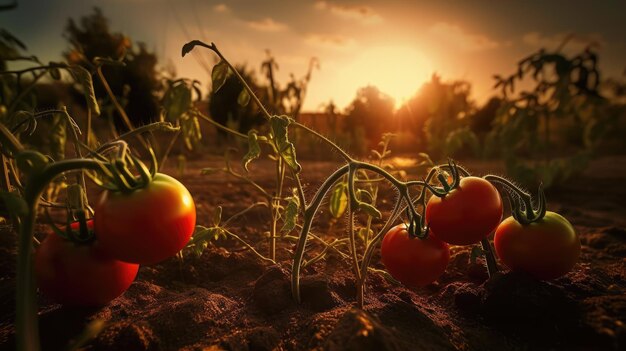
point(319, 175)
point(229, 299)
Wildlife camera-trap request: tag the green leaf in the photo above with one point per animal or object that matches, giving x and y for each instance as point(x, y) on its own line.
point(285, 148)
point(219, 74)
point(217, 216)
point(14, 203)
point(55, 73)
point(363, 233)
point(192, 44)
point(83, 77)
point(244, 98)
point(254, 150)
point(291, 213)
point(177, 101)
point(370, 210)
point(339, 200)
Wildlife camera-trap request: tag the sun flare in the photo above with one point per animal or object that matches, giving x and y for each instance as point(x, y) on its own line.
point(398, 71)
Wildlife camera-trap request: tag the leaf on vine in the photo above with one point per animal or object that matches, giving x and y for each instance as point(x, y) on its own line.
point(201, 238)
point(177, 101)
point(370, 210)
point(219, 74)
point(254, 150)
point(191, 45)
point(217, 216)
point(83, 77)
point(244, 98)
point(291, 213)
point(286, 149)
point(54, 71)
point(14, 203)
point(339, 200)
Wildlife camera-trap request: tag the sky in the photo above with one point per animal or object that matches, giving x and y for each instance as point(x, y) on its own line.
point(392, 44)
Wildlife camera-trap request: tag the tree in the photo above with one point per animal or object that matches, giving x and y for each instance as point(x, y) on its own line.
point(368, 117)
point(438, 115)
point(136, 83)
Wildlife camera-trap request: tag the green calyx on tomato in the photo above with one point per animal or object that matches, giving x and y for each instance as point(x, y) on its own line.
point(467, 214)
point(146, 225)
point(413, 261)
point(545, 249)
point(80, 274)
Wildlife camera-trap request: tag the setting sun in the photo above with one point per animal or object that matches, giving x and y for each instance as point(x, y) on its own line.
point(396, 70)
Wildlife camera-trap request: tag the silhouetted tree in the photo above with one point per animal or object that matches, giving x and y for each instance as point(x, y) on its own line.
point(481, 121)
point(136, 83)
point(438, 110)
point(368, 116)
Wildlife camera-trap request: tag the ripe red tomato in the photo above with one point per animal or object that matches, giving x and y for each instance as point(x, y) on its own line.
point(147, 225)
point(467, 214)
point(80, 274)
point(546, 249)
point(413, 261)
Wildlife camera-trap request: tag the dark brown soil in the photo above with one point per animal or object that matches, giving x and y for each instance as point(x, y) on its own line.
point(229, 299)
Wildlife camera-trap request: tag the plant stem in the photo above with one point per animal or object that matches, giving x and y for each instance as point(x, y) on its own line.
point(26, 304)
point(309, 214)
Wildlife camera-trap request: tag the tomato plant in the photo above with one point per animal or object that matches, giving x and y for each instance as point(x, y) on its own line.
point(466, 214)
point(546, 249)
point(145, 225)
point(79, 274)
point(413, 261)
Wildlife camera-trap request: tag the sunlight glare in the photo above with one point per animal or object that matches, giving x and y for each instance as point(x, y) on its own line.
point(398, 71)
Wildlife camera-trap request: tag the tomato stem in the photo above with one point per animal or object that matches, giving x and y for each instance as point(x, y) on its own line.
point(521, 201)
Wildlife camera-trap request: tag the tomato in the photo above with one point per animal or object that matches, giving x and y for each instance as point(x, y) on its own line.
point(467, 214)
point(80, 274)
point(147, 225)
point(413, 261)
point(546, 249)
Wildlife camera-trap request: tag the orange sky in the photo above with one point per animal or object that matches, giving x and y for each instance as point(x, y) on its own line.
point(395, 45)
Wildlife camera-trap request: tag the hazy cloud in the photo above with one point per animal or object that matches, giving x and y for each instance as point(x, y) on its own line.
point(267, 25)
point(332, 41)
point(362, 13)
point(221, 8)
point(455, 35)
point(575, 42)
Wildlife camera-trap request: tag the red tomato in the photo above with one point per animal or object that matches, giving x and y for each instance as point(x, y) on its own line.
point(413, 261)
point(80, 274)
point(467, 214)
point(147, 225)
point(546, 249)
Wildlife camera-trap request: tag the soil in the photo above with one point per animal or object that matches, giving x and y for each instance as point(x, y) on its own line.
point(229, 299)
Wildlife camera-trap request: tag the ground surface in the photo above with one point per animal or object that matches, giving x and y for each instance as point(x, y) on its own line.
point(229, 299)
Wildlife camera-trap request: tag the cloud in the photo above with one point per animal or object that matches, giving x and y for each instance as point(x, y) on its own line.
point(455, 35)
point(330, 41)
point(575, 42)
point(268, 25)
point(221, 8)
point(362, 13)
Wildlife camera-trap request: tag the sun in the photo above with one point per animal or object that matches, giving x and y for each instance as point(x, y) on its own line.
point(398, 71)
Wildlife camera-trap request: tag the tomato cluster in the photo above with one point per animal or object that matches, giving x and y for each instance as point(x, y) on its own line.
point(80, 274)
point(545, 248)
point(144, 226)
